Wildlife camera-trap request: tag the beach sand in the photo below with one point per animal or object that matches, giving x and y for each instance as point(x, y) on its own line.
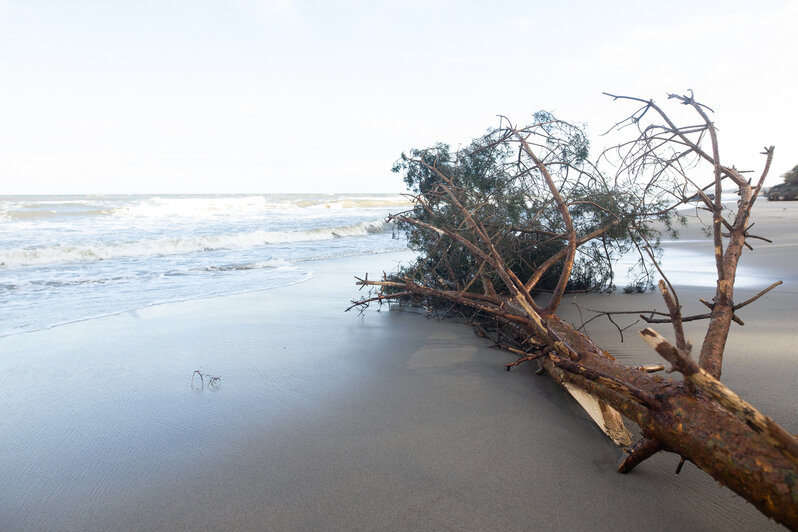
point(326, 420)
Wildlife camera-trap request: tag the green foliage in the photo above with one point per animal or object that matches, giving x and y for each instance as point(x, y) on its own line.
point(792, 175)
point(502, 187)
point(635, 288)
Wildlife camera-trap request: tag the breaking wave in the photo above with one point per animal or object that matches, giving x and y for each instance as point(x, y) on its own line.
point(200, 207)
point(191, 206)
point(96, 251)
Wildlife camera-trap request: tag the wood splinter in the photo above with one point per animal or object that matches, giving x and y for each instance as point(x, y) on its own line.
point(651, 368)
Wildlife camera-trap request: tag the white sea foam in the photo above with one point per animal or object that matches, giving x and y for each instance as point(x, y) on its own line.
point(192, 206)
point(200, 207)
point(94, 251)
point(277, 263)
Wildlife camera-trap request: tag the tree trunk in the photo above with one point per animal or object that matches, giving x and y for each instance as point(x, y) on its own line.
point(695, 426)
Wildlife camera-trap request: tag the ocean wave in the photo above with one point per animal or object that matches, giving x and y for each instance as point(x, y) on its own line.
point(52, 213)
point(95, 251)
point(201, 207)
point(192, 207)
point(47, 207)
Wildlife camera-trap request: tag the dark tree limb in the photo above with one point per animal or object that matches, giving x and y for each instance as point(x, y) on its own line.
point(642, 450)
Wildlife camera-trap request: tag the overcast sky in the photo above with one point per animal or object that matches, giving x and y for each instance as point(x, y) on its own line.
point(178, 96)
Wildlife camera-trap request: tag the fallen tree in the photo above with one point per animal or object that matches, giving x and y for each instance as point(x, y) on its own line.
point(523, 213)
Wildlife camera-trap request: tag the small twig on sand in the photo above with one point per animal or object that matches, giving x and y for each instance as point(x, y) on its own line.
point(212, 384)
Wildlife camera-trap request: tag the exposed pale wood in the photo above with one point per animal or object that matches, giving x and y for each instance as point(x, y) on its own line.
point(607, 418)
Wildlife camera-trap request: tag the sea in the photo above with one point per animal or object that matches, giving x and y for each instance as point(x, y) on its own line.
point(70, 258)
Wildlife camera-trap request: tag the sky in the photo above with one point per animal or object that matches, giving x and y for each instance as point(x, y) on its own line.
point(301, 96)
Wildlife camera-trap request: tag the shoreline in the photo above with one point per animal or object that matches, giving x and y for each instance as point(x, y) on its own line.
point(327, 420)
point(308, 277)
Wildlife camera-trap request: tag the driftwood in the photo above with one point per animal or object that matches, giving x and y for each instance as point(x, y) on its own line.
point(698, 418)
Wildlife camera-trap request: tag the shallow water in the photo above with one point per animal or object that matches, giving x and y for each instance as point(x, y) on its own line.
point(691, 263)
point(67, 258)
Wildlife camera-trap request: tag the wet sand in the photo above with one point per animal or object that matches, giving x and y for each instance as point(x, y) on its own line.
point(329, 421)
